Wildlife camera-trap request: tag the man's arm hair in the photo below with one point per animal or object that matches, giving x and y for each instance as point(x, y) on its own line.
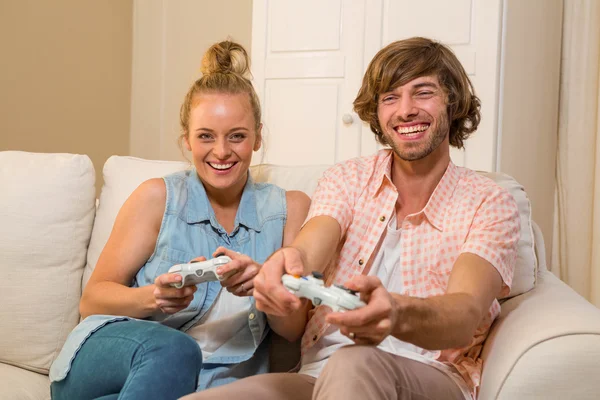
point(317, 242)
point(450, 320)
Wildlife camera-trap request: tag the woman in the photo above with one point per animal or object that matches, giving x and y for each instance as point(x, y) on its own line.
point(215, 208)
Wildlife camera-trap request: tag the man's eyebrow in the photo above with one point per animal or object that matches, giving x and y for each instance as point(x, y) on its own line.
point(425, 84)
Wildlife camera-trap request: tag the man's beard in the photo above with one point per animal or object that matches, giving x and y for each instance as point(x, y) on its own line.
point(433, 142)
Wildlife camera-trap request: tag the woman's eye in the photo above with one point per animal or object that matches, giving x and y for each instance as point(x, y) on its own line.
point(237, 136)
point(204, 136)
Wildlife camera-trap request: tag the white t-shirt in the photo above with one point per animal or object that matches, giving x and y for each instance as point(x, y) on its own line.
point(227, 315)
point(385, 267)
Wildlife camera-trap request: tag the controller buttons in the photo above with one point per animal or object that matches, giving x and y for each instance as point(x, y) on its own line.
point(317, 275)
point(317, 301)
point(345, 289)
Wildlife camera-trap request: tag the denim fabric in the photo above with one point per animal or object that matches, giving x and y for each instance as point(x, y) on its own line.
point(190, 229)
point(120, 359)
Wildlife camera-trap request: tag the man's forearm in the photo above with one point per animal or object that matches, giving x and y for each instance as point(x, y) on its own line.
point(317, 243)
point(290, 327)
point(437, 323)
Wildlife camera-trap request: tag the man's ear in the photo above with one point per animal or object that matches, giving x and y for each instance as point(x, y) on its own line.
point(258, 139)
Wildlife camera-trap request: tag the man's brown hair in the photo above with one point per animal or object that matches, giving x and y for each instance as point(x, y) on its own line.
point(405, 60)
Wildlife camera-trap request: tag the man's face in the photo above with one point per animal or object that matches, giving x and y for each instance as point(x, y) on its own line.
point(414, 118)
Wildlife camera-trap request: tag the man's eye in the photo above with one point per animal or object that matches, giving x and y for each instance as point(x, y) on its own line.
point(426, 93)
point(387, 99)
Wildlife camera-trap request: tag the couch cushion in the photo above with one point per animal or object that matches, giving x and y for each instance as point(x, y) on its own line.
point(46, 216)
point(123, 174)
point(20, 384)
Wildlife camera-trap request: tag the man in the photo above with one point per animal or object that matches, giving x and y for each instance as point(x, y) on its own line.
point(428, 245)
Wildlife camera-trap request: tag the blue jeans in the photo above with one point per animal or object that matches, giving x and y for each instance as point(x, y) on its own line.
point(132, 360)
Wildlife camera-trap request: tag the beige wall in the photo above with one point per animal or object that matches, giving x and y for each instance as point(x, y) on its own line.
point(65, 77)
point(169, 40)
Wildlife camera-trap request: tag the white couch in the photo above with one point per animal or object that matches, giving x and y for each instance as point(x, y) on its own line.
point(545, 345)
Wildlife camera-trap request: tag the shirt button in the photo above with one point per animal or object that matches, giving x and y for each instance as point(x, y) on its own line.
point(361, 262)
point(251, 316)
point(382, 218)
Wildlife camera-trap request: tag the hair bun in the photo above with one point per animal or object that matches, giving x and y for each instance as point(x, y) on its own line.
point(226, 57)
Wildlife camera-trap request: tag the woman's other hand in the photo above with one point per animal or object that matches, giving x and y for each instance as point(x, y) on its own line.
point(239, 273)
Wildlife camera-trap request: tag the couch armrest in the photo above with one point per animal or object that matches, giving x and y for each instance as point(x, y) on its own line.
point(545, 344)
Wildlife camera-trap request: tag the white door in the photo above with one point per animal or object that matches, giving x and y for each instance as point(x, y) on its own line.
point(309, 58)
point(307, 66)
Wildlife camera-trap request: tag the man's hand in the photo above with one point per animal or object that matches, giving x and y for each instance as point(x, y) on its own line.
point(239, 273)
point(371, 324)
point(270, 294)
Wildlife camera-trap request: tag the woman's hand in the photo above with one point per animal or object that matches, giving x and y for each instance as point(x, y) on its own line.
point(170, 299)
point(239, 273)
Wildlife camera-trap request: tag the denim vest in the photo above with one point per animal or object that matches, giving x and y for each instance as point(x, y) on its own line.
point(190, 229)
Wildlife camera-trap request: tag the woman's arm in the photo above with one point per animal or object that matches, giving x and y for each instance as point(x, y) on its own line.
point(292, 326)
point(129, 246)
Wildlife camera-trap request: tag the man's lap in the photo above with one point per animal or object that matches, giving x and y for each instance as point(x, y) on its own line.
point(352, 372)
point(274, 386)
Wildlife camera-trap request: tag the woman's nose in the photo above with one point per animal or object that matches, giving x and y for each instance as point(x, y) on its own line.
point(221, 150)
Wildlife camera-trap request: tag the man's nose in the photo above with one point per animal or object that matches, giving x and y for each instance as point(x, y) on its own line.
point(406, 108)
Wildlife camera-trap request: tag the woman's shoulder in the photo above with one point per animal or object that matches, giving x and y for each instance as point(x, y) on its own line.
point(296, 200)
point(149, 199)
point(151, 191)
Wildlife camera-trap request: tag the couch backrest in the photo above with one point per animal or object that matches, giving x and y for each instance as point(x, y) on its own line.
point(46, 214)
point(123, 174)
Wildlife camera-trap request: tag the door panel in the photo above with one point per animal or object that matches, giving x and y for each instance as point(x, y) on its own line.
point(322, 48)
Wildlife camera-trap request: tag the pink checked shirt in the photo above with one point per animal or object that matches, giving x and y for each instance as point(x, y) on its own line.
point(466, 213)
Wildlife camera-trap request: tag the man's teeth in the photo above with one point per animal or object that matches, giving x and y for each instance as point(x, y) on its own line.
point(221, 166)
point(411, 129)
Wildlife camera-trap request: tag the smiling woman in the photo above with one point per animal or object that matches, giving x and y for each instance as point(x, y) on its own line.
point(190, 215)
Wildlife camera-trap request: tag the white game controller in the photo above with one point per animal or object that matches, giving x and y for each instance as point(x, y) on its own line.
point(196, 272)
point(312, 287)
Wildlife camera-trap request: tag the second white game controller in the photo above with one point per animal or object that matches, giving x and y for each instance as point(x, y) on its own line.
point(196, 272)
point(312, 287)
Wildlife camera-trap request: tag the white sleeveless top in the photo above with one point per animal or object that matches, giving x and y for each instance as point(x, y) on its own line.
point(227, 315)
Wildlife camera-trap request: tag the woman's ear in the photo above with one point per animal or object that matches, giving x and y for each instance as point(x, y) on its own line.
point(258, 138)
point(186, 142)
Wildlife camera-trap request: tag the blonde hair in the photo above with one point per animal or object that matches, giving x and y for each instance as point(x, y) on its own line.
point(225, 69)
point(405, 60)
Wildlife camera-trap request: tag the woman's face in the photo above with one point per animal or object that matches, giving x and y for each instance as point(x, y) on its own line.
point(222, 136)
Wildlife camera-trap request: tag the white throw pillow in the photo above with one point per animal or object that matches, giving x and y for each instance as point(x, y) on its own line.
point(123, 174)
point(527, 263)
point(46, 216)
